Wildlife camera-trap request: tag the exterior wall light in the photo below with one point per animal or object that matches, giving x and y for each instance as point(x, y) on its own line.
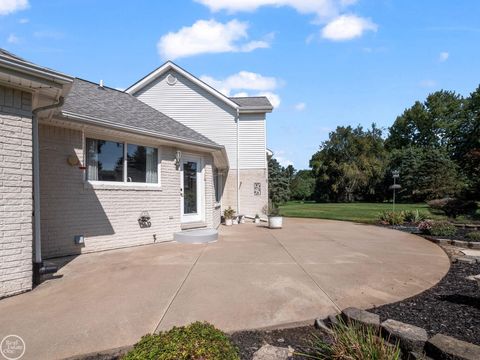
point(178, 158)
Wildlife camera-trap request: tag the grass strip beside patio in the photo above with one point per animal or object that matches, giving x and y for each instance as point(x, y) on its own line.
point(358, 212)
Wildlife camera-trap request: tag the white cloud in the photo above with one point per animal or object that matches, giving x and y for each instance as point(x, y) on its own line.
point(24, 21)
point(321, 8)
point(272, 97)
point(209, 36)
point(246, 83)
point(280, 155)
point(347, 27)
point(10, 6)
point(443, 56)
point(13, 39)
point(300, 106)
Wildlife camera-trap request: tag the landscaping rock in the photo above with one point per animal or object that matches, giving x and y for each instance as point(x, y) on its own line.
point(466, 260)
point(320, 325)
point(413, 355)
point(448, 348)
point(270, 352)
point(332, 320)
point(411, 338)
point(354, 315)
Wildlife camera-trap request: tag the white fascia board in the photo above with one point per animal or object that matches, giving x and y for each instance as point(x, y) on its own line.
point(35, 70)
point(171, 66)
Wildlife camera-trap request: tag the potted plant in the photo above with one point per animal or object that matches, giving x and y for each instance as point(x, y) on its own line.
point(257, 219)
point(275, 220)
point(228, 215)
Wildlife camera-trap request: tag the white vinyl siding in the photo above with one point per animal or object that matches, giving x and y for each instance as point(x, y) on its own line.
point(194, 107)
point(252, 141)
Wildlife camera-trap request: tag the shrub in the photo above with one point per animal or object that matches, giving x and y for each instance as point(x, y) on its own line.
point(414, 216)
point(473, 236)
point(197, 341)
point(437, 228)
point(392, 217)
point(425, 226)
point(229, 213)
point(453, 207)
point(355, 342)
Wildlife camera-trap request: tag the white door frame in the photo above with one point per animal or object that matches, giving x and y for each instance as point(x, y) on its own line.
point(200, 214)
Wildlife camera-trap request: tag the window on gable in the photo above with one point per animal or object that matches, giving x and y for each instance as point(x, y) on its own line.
point(106, 162)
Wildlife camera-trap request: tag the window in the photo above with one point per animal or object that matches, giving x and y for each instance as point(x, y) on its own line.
point(257, 189)
point(217, 184)
point(120, 162)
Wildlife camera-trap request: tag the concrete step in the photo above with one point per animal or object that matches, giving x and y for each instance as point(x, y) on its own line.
point(196, 236)
point(193, 225)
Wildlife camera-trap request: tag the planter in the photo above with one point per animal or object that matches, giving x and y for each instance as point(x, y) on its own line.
point(228, 222)
point(256, 221)
point(242, 219)
point(235, 221)
point(275, 222)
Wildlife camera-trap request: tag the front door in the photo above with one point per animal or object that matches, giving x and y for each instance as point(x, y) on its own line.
point(191, 189)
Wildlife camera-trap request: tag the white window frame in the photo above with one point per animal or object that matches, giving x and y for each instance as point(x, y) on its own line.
point(218, 178)
point(125, 177)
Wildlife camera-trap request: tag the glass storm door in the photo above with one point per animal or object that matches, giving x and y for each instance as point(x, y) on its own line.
point(191, 190)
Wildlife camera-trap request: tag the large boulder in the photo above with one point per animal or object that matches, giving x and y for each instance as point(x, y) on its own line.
point(411, 338)
point(448, 348)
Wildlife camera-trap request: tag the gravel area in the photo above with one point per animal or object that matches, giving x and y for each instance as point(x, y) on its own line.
point(452, 307)
point(299, 338)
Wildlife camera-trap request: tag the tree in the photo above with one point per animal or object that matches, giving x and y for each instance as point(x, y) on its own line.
point(302, 185)
point(278, 184)
point(349, 165)
point(465, 139)
point(425, 174)
point(427, 124)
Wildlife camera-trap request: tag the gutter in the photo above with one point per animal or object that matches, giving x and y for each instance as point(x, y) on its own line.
point(36, 70)
point(38, 267)
point(238, 161)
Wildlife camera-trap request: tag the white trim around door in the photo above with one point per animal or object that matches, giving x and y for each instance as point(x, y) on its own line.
point(192, 189)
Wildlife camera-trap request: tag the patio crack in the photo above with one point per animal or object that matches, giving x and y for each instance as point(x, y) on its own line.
point(178, 290)
point(308, 274)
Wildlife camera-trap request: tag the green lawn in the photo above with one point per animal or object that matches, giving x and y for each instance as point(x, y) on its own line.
point(360, 212)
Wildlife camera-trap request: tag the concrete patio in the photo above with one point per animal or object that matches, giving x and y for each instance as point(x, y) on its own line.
point(252, 277)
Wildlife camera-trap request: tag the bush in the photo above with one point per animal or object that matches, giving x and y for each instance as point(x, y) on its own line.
point(453, 207)
point(197, 341)
point(473, 236)
point(392, 217)
point(414, 216)
point(355, 342)
point(437, 228)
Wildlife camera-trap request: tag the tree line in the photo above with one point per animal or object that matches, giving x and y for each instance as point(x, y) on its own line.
point(434, 144)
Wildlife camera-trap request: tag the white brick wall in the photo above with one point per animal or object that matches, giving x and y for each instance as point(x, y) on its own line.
point(15, 192)
point(250, 204)
point(106, 216)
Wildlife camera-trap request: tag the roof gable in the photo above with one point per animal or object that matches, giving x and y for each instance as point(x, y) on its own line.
point(246, 103)
point(171, 66)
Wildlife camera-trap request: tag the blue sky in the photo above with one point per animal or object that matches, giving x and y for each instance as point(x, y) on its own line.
point(327, 62)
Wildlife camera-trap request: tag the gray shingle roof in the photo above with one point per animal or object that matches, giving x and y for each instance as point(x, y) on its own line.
point(252, 101)
point(107, 104)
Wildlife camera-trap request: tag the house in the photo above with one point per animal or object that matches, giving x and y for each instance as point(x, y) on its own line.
point(103, 169)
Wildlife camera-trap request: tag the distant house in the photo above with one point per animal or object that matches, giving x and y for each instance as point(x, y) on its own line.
point(103, 169)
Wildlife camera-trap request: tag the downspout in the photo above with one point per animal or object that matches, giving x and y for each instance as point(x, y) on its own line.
point(38, 267)
point(238, 161)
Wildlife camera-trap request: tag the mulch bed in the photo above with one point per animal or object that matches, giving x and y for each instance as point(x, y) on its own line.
point(299, 338)
point(452, 307)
